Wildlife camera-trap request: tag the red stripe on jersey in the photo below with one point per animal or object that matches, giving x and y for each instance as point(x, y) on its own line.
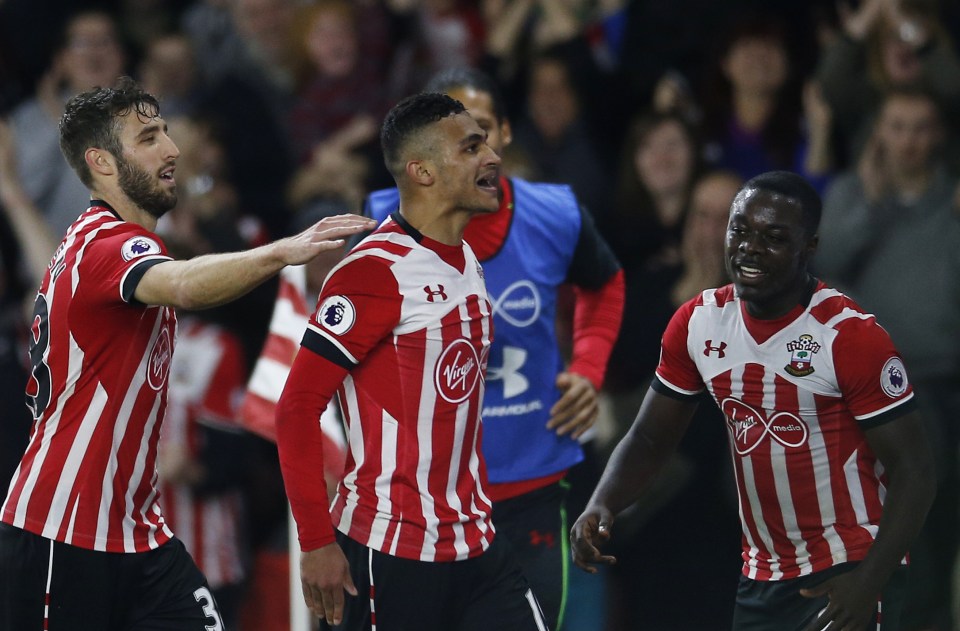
point(803, 489)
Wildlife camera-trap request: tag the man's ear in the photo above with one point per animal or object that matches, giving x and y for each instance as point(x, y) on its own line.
point(420, 172)
point(100, 161)
point(506, 133)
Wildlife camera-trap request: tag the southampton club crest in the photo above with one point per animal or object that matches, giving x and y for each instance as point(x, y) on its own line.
point(802, 351)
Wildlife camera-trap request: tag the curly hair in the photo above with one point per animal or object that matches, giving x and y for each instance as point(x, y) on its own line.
point(92, 119)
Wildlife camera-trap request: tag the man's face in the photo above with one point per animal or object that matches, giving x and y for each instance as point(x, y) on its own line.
point(480, 106)
point(908, 132)
point(767, 251)
point(145, 170)
point(92, 55)
point(468, 169)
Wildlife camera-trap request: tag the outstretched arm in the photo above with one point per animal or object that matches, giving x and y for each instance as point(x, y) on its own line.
point(902, 448)
point(214, 279)
point(640, 455)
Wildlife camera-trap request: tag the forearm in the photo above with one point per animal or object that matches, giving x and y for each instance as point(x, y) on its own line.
point(210, 280)
point(909, 496)
point(597, 318)
point(641, 454)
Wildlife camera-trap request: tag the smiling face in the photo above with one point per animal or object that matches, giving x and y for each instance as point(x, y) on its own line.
point(767, 251)
point(145, 168)
point(467, 168)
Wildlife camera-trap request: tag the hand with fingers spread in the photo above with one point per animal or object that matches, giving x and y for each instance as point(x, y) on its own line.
point(577, 409)
point(853, 601)
point(326, 234)
point(589, 532)
point(324, 576)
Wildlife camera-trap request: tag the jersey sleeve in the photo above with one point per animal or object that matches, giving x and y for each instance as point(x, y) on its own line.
point(116, 263)
point(358, 306)
point(870, 373)
point(677, 375)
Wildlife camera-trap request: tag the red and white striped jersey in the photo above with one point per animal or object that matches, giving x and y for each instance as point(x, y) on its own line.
point(207, 380)
point(797, 394)
point(98, 390)
point(411, 319)
point(258, 411)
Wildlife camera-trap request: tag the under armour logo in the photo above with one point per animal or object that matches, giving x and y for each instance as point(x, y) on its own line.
point(514, 382)
point(433, 293)
point(719, 350)
point(538, 538)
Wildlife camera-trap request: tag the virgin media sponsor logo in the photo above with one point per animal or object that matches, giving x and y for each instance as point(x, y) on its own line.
point(457, 371)
point(750, 427)
point(158, 365)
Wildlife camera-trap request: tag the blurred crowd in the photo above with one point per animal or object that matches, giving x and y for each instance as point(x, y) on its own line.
point(654, 112)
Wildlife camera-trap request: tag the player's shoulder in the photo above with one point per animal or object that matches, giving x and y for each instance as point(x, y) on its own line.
point(836, 310)
point(548, 192)
point(379, 204)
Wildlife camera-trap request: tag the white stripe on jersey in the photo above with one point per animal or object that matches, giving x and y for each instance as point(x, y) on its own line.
point(428, 400)
point(388, 466)
point(68, 476)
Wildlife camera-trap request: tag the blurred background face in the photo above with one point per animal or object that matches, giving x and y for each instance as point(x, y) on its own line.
point(480, 106)
point(168, 68)
point(908, 131)
point(709, 211)
point(664, 158)
point(332, 43)
point(92, 55)
point(265, 24)
point(756, 64)
point(901, 64)
point(552, 101)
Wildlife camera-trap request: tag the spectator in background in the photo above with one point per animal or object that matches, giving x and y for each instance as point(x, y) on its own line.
point(887, 44)
point(891, 239)
point(334, 121)
point(245, 56)
point(554, 134)
point(753, 109)
point(89, 54)
point(659, 163)
point(169, 70)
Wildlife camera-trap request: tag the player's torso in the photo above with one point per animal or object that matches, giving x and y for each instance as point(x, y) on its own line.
point(98, 388)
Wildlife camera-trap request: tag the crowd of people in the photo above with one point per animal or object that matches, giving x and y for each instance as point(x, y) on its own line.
point(622, 133)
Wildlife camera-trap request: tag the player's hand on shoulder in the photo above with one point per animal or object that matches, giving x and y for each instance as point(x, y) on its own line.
point(578, 407)
point(324, 576)
point(327, 234)
point(589, 532)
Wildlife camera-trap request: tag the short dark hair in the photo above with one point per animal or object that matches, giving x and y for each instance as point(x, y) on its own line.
point(467, 77)
point(408, 117)
point(92, 119)
point(795, 187)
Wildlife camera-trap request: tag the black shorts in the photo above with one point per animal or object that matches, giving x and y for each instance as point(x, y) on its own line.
point(74, 589)
point(763, 605)
point(478, 594)
point(535, 524)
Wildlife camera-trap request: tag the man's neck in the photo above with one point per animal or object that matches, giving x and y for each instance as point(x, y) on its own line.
point(127, 210)
point(443, 227)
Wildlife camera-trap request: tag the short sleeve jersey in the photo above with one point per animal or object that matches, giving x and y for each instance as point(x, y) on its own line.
point(100, 363)
point(797, 394)
point(410, 319)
